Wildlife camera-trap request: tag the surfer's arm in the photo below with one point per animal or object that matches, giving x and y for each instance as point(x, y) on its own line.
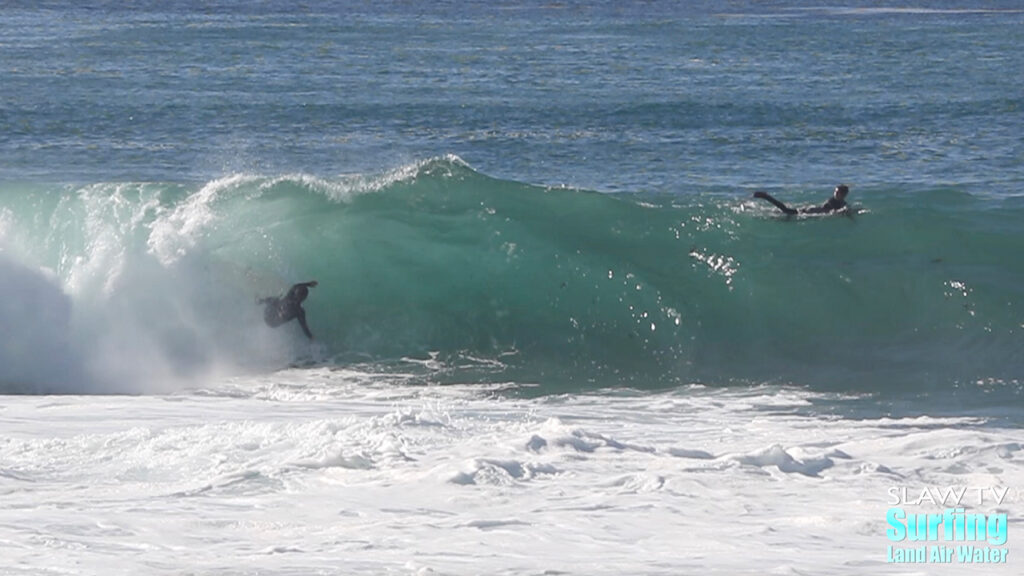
point(302, 322)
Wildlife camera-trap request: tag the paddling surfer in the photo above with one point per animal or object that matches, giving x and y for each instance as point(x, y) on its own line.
point(288, 307)
point(834, 204)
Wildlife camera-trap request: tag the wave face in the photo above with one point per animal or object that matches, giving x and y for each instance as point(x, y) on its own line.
point(112, 285)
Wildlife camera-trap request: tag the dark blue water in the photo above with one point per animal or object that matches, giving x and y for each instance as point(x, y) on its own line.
point(677, 98)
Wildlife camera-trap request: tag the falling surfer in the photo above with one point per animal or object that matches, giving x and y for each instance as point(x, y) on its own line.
point(834, 204)
point(279, 310)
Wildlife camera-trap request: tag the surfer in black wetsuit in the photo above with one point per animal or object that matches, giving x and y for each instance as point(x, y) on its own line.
point(284, 309)
point(834, 204)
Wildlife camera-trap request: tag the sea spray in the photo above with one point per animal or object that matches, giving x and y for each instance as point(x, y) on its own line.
point(36, 355)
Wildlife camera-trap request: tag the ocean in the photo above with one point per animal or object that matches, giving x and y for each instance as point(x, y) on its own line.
point(554, 332)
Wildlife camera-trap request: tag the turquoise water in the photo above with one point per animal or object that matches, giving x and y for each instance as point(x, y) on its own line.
point(552, 194)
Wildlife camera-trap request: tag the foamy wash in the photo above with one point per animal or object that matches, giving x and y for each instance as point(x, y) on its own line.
point(554, 331)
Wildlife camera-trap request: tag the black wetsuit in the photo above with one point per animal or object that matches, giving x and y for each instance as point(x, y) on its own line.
point(289, 307)
point(832, 205)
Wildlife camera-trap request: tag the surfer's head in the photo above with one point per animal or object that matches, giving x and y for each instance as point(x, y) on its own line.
point(841, 191)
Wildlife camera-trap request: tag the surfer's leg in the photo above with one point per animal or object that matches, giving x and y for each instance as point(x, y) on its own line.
point(297, 293)
point(779, 205)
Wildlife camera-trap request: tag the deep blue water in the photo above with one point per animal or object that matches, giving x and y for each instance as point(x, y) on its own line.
point(674, 98)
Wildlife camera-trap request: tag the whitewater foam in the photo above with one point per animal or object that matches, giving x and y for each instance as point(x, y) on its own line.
point(388, 473)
